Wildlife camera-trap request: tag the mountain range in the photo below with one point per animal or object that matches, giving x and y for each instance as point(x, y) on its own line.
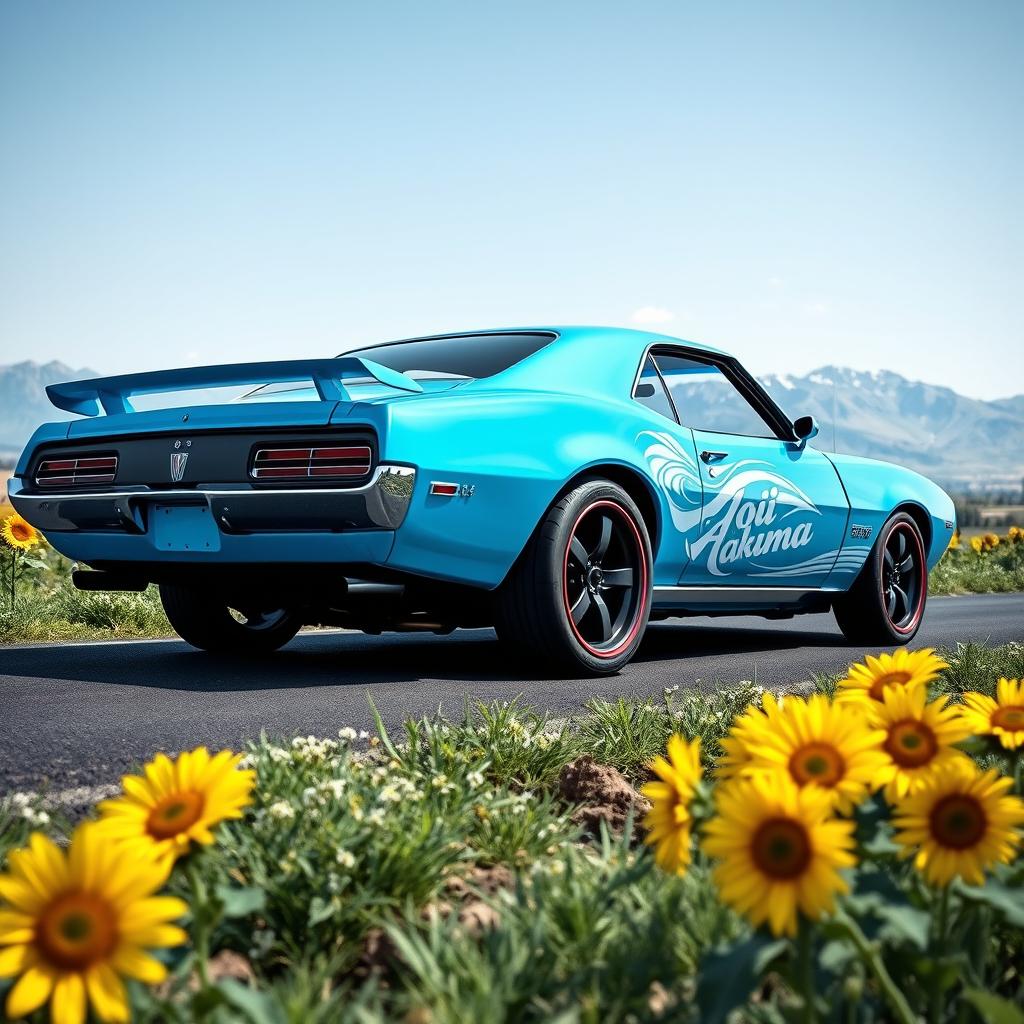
point(962, 443)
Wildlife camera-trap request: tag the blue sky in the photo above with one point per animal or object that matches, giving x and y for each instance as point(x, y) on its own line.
point(797, 183)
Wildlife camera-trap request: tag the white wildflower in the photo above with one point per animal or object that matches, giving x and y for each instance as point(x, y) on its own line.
point(347, 733)
point(346, 859)
point(282, 810)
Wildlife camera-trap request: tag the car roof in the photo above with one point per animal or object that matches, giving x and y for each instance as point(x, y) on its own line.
point(580, 359)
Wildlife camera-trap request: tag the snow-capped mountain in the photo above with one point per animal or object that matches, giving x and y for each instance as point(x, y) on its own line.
point(951, 438)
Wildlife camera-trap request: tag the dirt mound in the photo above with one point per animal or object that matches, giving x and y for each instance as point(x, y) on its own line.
point(600, 793)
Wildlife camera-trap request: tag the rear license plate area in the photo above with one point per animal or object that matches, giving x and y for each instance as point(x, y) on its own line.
point(184, 528)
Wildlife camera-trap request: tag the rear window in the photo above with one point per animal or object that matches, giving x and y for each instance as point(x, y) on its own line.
point(457, 355)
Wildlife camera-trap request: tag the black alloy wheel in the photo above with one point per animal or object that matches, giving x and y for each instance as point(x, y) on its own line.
point(579, 596)
point(604, 578)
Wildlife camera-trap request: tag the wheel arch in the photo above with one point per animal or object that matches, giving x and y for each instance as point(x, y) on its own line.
point(920, 517)
point(633, 483)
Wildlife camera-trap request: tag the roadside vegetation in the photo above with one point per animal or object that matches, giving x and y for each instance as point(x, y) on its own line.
point(984, 563)
point(612, 867)
point(38, 602)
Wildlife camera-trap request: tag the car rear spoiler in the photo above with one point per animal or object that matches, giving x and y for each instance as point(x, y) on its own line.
point(114, 393)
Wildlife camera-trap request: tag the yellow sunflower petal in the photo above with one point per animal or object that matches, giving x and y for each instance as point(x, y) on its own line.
point(133, 962)
point(15, 959)
point(30, 991)
point(107, 994)
point(69, 1005)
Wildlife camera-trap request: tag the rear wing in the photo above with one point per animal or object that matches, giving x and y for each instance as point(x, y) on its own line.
point(114, 394)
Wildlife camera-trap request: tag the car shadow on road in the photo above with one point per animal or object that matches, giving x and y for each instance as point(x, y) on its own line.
point(348, 659)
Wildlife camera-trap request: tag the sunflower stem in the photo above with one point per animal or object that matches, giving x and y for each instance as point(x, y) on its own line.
point(937, 1001)
point(805, 955)
point(200, 921)
point(872, 958)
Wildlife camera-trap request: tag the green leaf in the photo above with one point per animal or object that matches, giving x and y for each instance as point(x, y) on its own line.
point(254, 1005)
point(994, 1009)
point(905, 923)
point(33, 563)
point(319, 910)
point(1001, 898)
point(727, 977)
point(241, 902)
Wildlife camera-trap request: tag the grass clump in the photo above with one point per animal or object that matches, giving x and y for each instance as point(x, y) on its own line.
point(65, 613)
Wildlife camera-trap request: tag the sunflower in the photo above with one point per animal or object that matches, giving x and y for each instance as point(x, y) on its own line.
point(990, 541)
point(817, 743)
point(959, 822)
point(954, 541)
point(1015, 535)
point(1002, 717)
point(176, 802)
point(779, 850)
point(977, 545)
point(737, 756)
point(73, 923)
point(19, 533)
point(901, 668)
point(669, 820)
point(918, 737)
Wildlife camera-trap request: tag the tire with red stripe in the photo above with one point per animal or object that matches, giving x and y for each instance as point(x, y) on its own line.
point(886, 603)
point(579, 596)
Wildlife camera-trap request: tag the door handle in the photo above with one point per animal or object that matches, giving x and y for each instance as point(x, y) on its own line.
point(713, 456)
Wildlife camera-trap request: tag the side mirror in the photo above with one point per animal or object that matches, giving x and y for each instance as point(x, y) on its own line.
point(805, 428)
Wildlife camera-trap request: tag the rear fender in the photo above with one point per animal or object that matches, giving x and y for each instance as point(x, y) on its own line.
point(511, 454)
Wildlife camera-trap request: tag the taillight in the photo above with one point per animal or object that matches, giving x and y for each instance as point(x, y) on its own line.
point(80, 471)
point(311, 463)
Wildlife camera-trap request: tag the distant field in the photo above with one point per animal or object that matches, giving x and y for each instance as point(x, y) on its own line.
point(5, 507)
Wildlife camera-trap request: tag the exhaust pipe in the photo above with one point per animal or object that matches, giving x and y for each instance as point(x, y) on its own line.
point(86, 579)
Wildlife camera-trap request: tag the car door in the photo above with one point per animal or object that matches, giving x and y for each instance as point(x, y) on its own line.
point(773, 511)
point(671, 457)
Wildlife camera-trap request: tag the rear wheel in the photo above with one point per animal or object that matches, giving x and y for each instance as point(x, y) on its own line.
point(212, 625)
point(580, 594)
point(886, 603)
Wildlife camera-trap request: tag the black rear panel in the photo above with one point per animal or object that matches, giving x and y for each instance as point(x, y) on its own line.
point(210, 458)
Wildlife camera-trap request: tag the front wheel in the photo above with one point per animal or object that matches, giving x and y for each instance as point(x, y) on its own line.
point(580, 594)
point(886, 603)
point(212, 625)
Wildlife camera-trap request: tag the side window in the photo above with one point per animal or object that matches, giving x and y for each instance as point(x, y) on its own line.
point(707, 400)
point(650, 391)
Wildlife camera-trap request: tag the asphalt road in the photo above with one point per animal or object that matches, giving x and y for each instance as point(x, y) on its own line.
point(81, 714)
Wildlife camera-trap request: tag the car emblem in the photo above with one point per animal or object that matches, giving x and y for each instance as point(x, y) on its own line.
point(178, 460)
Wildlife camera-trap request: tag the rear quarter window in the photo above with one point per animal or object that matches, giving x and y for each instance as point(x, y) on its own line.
point(458, 355)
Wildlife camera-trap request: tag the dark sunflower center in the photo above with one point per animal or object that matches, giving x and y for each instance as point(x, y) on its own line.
point(897, 678)
point(958, 822)
point(76, 930)
point(819, 763)
point(175, 814)
point(781, 848)
point(1009, 717)
point(911, 743)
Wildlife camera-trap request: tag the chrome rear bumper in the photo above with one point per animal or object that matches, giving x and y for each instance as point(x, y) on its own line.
point(380, 504)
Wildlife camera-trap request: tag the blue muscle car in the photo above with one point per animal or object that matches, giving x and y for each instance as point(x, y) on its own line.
point(565, 485)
